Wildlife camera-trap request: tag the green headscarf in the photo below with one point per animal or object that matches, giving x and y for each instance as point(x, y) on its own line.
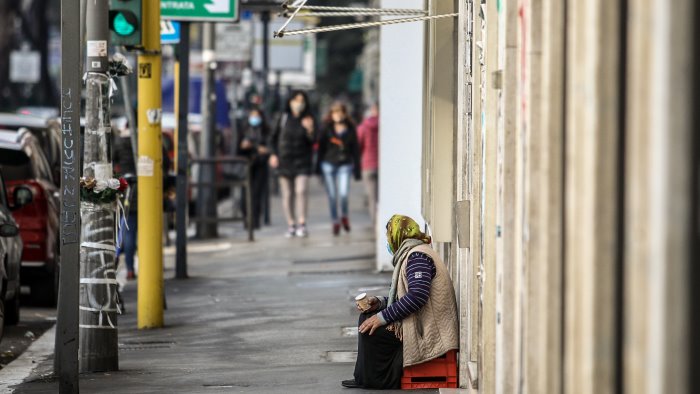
point(400, 228)
point(402, 235)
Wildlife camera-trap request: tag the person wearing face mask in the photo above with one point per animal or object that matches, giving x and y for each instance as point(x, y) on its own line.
point(339, 159)
point(253, 144)
point(292, 144)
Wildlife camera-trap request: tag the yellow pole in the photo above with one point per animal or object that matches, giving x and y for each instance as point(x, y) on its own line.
point(150, 176)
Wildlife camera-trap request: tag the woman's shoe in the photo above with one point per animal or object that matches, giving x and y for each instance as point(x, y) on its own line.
point(291, 232)
point(346, 224)
point(301, 231)
point(336, 229)
point(130, 275)
point(351, 384)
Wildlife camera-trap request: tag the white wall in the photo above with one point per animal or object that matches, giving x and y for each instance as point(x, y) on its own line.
point(401, 120)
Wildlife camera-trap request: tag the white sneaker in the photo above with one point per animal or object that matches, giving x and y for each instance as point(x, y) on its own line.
point(301, 231)
point(291, 232)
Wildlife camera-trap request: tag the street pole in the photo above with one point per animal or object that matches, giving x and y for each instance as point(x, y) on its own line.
point(98, 284)
point(265, 18)
point(150, 172)
point(66, 347)
point(182, 108)
point(207, 194)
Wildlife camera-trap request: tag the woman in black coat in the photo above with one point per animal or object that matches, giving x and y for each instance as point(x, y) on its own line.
point(292, 152)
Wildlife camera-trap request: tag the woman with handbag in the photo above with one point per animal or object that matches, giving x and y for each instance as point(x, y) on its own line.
point(292, 155)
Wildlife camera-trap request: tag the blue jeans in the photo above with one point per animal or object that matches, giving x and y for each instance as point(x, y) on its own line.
point(128, 238)
point(337, 181)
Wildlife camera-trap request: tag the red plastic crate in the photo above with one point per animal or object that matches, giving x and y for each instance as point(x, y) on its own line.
point(438, 373)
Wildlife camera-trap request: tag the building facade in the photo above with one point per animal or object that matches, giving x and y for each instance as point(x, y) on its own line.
point(568, 213)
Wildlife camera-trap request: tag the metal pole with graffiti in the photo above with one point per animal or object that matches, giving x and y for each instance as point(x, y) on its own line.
point(99, 192)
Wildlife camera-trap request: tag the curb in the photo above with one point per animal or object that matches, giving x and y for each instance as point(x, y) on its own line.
point(18, 370)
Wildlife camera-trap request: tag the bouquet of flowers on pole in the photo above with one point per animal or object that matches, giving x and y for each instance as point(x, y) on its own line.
point(101, 191)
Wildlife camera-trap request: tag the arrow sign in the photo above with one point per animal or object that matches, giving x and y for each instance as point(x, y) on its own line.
point(200, 10)
point(218, 6)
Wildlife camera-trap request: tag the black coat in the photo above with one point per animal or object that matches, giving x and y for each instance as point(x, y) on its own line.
point(340, 149)
point(258, 136)
point(293, 146)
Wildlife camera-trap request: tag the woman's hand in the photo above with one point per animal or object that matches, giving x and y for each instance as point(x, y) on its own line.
point(263, 150)
point(374, 304)
point(274, 161)
point(308, 124)
point(246, 144)
point(371, 325)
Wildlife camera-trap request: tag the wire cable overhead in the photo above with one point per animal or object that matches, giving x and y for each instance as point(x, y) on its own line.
point(327, 11)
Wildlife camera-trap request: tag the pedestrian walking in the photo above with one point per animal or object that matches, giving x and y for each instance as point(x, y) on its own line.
point(253, 141)
point(123, 158)
point(292, 155)
point(368, 137)
point(417, 322)
point(339, 160)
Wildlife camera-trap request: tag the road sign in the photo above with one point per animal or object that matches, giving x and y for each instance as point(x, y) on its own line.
point(200, 10)
point(169, 32)
point(234, 42)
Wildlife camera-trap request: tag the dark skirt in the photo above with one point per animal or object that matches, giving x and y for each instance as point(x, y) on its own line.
point(379, 359)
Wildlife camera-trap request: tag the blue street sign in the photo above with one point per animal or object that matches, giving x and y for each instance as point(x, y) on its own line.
point(169, 32)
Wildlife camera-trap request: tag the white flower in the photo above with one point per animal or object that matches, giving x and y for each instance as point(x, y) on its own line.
point(113, 184)
point(100, 186)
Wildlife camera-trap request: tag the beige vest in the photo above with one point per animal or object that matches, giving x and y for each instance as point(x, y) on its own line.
point(433, 330)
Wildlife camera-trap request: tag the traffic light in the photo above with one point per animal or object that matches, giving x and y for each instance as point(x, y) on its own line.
point(125, 22)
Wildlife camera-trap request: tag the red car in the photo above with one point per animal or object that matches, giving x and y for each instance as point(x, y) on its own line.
point(39, 220)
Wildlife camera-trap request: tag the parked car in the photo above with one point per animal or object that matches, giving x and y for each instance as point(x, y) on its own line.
point(46, 128)
point(10, 255)
point(39, 220)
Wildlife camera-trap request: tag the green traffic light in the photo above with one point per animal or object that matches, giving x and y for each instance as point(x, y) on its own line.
point(122, 26)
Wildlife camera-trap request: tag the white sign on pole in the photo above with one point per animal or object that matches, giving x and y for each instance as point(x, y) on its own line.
point(25, 66)
point(234, 42)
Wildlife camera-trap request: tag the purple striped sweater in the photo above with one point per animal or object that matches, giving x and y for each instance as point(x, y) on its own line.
point(420, 271)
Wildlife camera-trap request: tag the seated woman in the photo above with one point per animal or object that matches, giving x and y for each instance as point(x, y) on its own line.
point(417, 322)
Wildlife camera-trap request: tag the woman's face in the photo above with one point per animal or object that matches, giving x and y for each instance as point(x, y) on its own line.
point(338, 115)
point(297, 104)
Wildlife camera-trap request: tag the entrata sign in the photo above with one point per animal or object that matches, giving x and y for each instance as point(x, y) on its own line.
point(200, 10)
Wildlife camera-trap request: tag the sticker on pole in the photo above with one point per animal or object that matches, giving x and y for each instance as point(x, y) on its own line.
point(145, 70)
point(103, 171)
point(97, 48)
point(144, 166)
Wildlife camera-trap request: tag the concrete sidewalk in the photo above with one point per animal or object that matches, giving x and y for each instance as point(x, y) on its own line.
point(273, 316)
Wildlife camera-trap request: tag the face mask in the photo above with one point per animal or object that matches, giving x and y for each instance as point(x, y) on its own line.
point(254, 121)
point(298, 107)
point(388, 248)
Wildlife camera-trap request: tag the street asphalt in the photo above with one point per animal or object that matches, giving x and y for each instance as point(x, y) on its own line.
point(272, 316)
